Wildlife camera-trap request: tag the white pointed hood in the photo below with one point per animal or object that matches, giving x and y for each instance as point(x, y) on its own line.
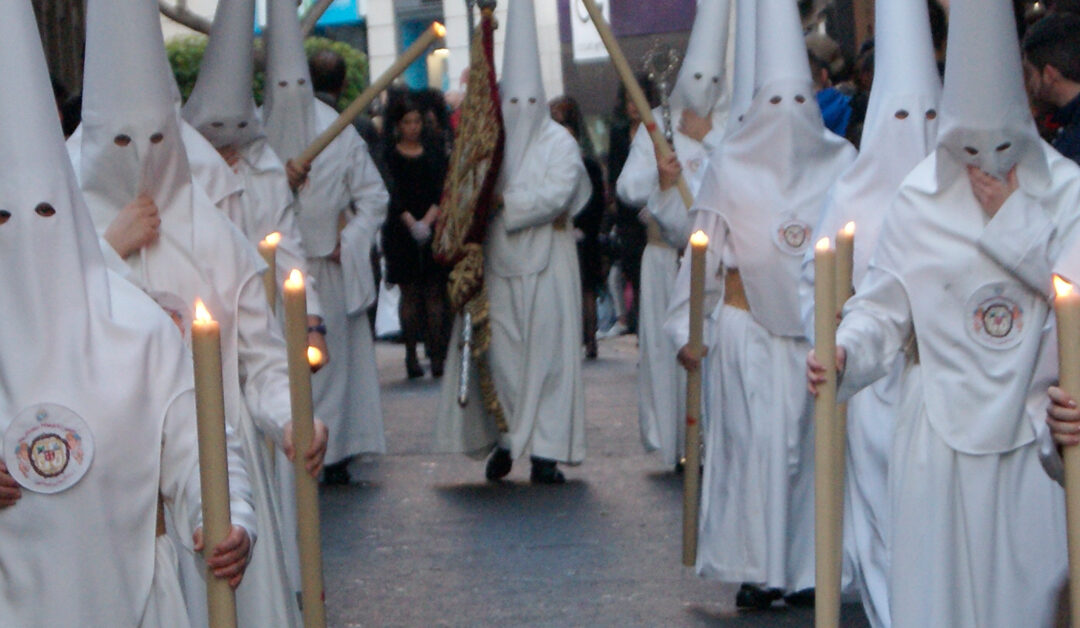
point(288, 99)
point(700, 84)
point(775, 169)
point(742, 91)
point(221, 105)
point(985, 117)
point(129, 142)
point(521, 88)
point(900, 128)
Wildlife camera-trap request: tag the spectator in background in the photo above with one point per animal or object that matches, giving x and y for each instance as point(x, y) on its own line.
point(939, 28)
point(826, 64)
point(437, 128)
point(415, 169)
point(1052, 74)
point(567, 112)
point(630, 235)
point(328, 71)
point(862, 81)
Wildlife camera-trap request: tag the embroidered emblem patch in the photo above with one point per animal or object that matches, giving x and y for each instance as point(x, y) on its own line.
point(694, 165)
point(52, 446)
point(996, 316)
point(793, 237)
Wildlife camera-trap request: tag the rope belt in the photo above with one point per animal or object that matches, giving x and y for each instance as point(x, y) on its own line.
point(160, 517)
point(734, 293)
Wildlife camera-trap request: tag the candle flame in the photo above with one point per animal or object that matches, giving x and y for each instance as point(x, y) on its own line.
point(273, 239)
point(295, 280)
point(202, 315)
point(699, 239)
point(314, 356)
point(439, 29)
point(849, 229)
point(1062, 287)
point(823, 244)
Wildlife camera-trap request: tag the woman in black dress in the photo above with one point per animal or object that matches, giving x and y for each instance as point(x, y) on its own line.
point(414, 177)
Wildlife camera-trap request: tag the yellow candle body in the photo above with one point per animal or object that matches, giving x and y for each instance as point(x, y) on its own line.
point(634, 92)
point(692, 468)
point(268, 251)
point(307, 490)
point(1067, 311)
point(827, 509)
point(213, 463)
point(845, 263)
point(412, 53)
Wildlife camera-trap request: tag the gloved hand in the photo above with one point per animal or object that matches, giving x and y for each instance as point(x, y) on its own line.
point(420, 231)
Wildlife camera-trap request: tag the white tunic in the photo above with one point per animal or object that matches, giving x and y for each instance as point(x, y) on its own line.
point(87, 556)
point(344, 182)
point(968, 497)
point(221, 267)
point(534, 290)
point(661, 382)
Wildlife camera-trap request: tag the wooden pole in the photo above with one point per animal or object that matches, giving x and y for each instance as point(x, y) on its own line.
point(213, 462)
point(419, 47)
point(699, 244)
point(307, 489)
point(827, 519)
point(1067, 312)
point(634, 92)
point(311, 18)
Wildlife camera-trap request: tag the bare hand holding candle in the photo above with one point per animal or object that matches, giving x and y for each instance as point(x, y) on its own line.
point(303, 426)
point(213, 465)
point(1067, 312)
point(699, 245)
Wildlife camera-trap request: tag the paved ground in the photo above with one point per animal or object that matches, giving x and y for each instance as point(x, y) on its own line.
point(422, 540)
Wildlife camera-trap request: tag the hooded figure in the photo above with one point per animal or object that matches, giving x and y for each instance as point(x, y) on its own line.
point(339, 211)
point(222, 109)
point(533, 285)
point(77, 342)
point(966, 283)
point(699, 89)
point(130, 153)
point(759, 202)
point(899, 132)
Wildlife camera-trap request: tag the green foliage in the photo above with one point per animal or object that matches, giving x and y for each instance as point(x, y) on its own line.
point(186, 52)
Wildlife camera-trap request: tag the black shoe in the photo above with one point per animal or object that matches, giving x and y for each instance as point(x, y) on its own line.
point(544, 471)
point(800, 599)
point(754, 597)
point(680, 466)
point(437, 369)
point(413, 368)
point(498, 465)
point(336, 474)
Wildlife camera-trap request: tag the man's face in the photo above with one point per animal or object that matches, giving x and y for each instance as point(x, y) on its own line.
point(1035, 83)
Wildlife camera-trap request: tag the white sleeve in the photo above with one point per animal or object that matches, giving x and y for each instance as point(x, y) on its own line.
point(671, 214)
point(180, 484)
point(535, 203)
point(264, 370)
point(875, 326)
point(639, 179)
point(677, 325)
point(368, 194)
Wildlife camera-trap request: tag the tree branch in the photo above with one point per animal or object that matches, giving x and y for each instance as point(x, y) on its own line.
point(185, 17)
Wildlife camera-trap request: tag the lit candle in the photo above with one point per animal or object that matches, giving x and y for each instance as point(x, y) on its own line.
point(303, 431)
point(699, 244)
point(213, 464)
point(845, 263)
point(436, 32)
point(827, 503)
point(1067, 312)
point(268, 250)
